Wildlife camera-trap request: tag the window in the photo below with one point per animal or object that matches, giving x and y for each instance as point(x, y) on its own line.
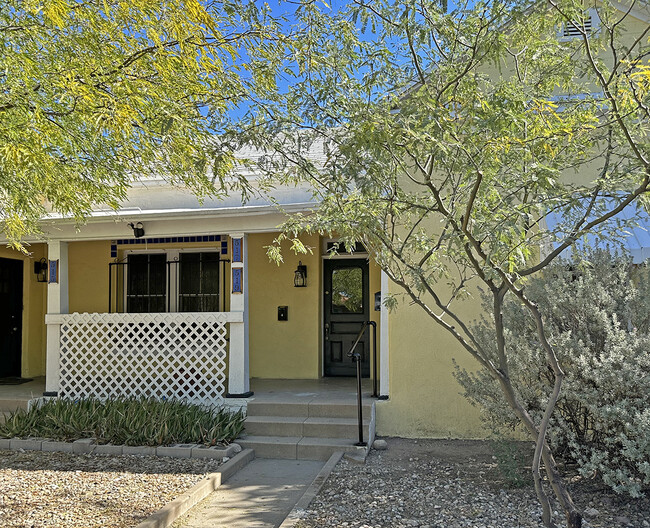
point(347, 290)
point(146, 289)
point(198, 282)
point(173, 281)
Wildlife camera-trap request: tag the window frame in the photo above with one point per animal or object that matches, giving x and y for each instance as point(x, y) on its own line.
point(172, 284)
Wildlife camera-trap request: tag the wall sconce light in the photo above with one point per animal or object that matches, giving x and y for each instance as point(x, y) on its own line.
point(138, 229)
point(300, 276)
point(40, 270)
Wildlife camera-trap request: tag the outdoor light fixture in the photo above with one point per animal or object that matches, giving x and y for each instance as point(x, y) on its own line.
point(40, 270)
point(138, 229)
point(300, 276)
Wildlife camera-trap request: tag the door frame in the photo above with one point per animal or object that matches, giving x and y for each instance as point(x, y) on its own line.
point(324, 258)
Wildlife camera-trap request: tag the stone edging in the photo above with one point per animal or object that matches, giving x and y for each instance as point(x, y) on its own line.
point(303, 503)
point(88, 445)
point(173, 510)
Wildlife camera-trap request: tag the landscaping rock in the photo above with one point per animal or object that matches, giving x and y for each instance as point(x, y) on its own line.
point(48, 489)
point(380, 445)
point(449, 484)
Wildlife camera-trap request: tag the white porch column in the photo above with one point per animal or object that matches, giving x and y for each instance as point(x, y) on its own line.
point(383, 341)
point(57, 303)
point(238, 371)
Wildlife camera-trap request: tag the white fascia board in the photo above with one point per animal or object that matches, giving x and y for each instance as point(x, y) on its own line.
point(141, 215)
point(105, 225)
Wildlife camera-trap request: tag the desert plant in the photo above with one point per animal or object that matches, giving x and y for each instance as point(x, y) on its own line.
point(597, 312)
point(132, 421)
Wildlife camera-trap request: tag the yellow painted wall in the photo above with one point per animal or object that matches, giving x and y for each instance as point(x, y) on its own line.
point(425, 399)
point(34, 306)
point(88, 275)
point(283, 349)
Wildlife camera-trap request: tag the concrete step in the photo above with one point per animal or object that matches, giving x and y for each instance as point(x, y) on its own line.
point(291, 447)
point(307, 410)
point(271, 446)
point(301, 426)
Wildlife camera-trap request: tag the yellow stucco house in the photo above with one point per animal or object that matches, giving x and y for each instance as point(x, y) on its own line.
point(172, 298)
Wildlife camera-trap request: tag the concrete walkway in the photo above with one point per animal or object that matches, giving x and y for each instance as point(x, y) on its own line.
point(260, 495)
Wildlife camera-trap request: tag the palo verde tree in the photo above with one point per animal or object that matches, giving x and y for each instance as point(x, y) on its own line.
point(448, 137)
point(97, 93)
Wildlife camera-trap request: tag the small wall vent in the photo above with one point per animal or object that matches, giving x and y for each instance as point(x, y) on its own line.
point(575, 28)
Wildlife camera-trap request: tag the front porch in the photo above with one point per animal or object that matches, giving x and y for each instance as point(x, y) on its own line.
point(249, 319)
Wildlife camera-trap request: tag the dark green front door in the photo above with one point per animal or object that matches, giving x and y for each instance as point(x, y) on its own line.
point(11, 316)
point(346, 308)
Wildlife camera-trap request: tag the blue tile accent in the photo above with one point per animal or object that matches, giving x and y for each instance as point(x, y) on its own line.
point(113, 254)
point(193, 239)
point(53, 273)
point(168, 240)
point(185, 239)
point(217, 238)
point(237, 248)
point(237, 279)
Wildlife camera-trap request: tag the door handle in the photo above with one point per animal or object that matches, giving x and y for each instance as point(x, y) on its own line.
point(327, 331)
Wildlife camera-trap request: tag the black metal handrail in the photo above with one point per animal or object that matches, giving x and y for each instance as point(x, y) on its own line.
point(356, 357)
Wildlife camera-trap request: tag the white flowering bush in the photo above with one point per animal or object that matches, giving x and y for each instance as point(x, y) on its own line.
point(597, 317)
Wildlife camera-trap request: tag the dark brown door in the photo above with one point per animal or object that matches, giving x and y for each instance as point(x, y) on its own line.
point(11, 316)
point(346, 308)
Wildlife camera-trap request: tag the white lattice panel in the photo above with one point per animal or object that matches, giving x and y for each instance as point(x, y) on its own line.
point(160, 355)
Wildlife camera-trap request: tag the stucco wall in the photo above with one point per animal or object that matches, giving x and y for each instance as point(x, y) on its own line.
point(283, 349)
point(88, 275)
point(425, 399)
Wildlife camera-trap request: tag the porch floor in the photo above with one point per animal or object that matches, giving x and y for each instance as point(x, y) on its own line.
point(323, 390)
point(31, 389)
point(16, 396)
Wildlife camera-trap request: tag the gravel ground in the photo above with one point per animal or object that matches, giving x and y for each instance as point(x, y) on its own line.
point(68, 491)
point(449, 484)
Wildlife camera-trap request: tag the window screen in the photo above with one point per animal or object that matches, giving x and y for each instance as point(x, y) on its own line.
point(198, 283)
point(146, 289)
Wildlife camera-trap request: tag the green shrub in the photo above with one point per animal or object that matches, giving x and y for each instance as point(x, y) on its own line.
point(124, 421)
point(597, 317)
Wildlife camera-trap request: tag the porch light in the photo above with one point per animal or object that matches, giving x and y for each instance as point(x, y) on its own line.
point(300, 276)
point(40, 270)
point(138, 229)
